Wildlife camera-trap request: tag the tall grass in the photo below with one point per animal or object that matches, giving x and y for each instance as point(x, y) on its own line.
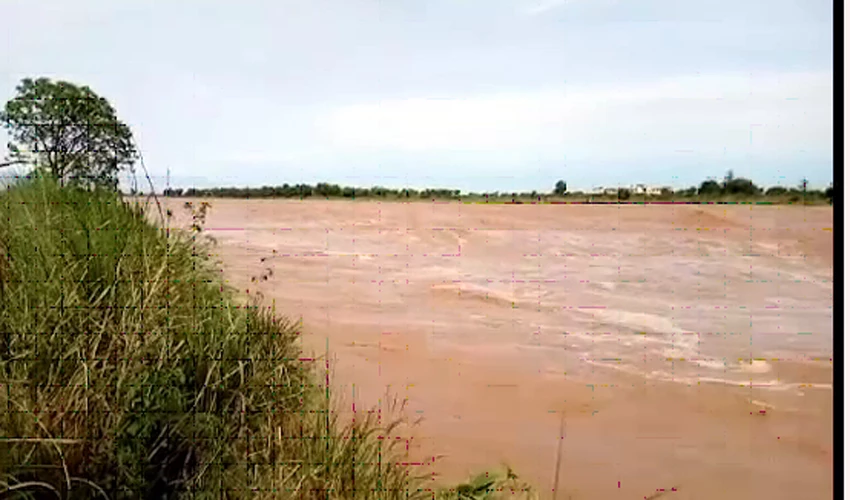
point(128, 372)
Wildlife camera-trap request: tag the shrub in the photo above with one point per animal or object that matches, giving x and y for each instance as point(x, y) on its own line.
point(740, 186)
point(776, 191)
point(710, 188)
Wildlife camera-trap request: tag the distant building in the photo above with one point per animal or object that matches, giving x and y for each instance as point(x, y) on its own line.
point(643, 189)
point(638, 189)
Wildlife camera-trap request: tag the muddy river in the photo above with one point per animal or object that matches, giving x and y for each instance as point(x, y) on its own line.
point(681, 346)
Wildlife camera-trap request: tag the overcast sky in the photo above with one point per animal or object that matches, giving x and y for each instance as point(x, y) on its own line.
point(473, 94)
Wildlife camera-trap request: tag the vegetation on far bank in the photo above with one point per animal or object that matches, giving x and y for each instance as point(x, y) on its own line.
point(731, 190)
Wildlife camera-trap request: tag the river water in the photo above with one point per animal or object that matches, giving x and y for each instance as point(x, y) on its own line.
point(492, 320)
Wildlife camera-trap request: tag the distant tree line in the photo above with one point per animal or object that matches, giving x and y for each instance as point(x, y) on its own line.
point(739, 187)
point(320, 190)
point(729, 188)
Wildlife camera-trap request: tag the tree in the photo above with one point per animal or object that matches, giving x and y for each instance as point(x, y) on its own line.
point(69, 131)
point(709, 188)
point(740, 186)
point(828, 193)
point(560, 188)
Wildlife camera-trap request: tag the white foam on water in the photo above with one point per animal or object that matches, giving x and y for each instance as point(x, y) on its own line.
point(641, 322)
point(712, 364)
point(771, 385)
point(605, 285)
point(763, 404)
point(622, 367)
point(675, 353)
point(754, 366)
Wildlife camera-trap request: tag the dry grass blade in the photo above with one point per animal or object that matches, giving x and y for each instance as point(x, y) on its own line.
point(20, 487)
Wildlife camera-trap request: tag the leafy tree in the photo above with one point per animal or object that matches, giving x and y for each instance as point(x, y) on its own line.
point(828, 193)
point(740, 186)
point(560, 188)
point(324, 189)
point(69, 131)
point(623, 194)
point(710, 187)
point(303, 190)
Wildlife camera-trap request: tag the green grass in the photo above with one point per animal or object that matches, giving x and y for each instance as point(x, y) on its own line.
point(492, 485)
point(128, 371)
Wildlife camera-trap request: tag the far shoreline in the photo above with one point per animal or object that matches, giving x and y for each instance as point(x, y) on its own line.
point(478, 201)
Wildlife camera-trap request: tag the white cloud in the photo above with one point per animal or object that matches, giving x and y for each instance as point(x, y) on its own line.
point(540, 6)
point(708, 112)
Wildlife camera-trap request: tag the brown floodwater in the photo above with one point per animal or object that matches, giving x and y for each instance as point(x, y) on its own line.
point(681, 346)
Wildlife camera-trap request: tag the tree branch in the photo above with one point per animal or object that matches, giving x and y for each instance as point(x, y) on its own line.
point(12, 162)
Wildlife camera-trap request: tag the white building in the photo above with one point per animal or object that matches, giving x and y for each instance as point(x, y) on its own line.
point(636, 189)
point(643, 189)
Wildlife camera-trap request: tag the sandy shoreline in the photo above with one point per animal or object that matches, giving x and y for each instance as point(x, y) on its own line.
point(685, 346)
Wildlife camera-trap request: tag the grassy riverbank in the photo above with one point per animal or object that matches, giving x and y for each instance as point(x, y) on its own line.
point(129, 370)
